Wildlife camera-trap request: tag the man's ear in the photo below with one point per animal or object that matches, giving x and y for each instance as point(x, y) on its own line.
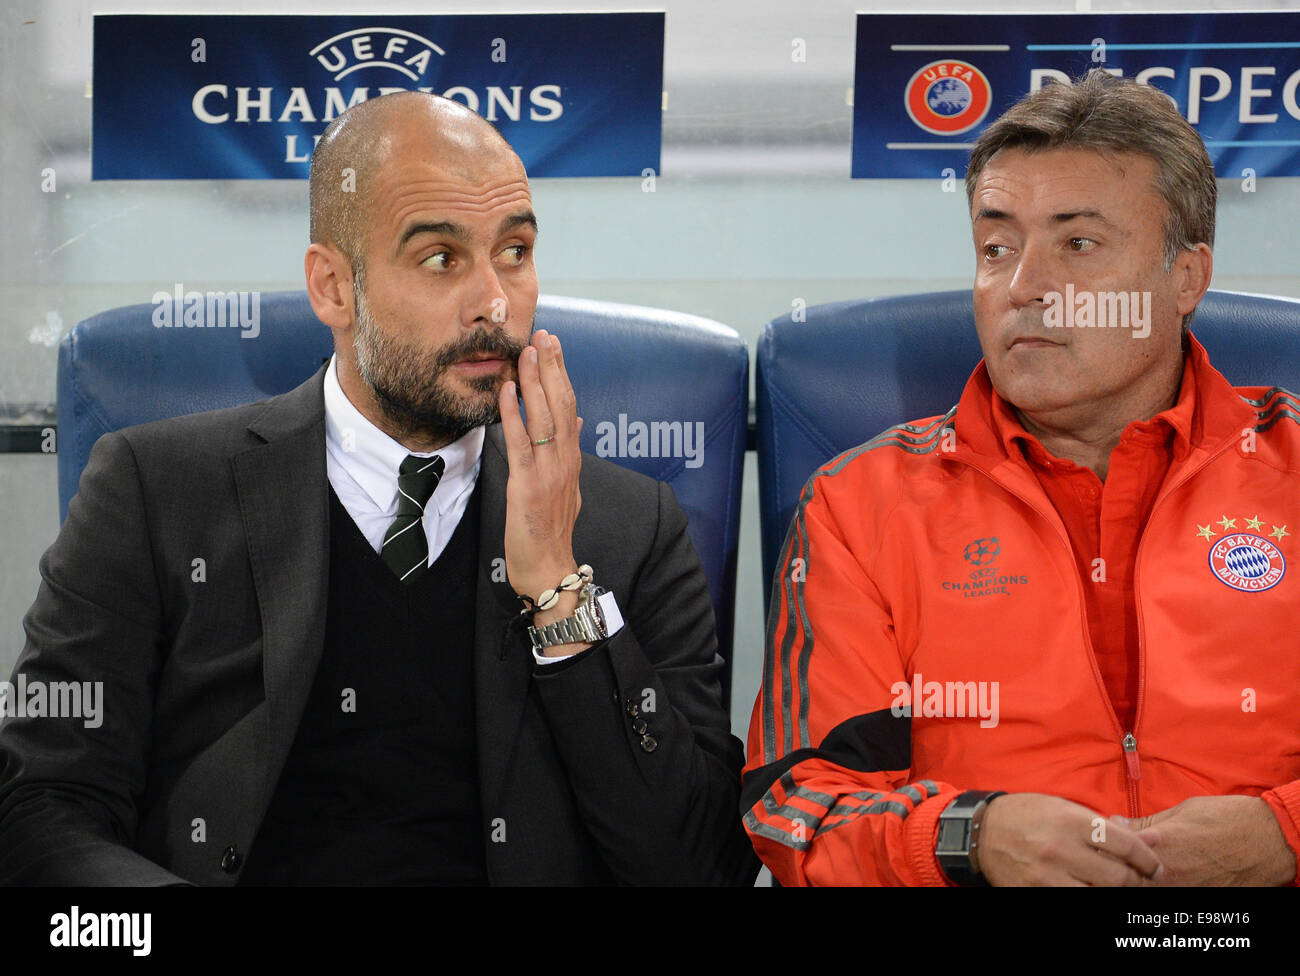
point(329, 286)
point(1192, 269)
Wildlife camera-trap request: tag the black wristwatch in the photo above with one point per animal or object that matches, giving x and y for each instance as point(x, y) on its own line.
point(956, 842)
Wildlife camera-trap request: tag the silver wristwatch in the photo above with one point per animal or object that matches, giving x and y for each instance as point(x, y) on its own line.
point(596, 618)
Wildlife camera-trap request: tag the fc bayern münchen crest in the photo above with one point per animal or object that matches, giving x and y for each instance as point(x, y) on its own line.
point(948, 97)
point(1247, 562)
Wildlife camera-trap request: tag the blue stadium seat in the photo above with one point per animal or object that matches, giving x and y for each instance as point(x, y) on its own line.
point(116, 369)
point(854, 368)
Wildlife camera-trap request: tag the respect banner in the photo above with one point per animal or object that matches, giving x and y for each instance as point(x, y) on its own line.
point(926, 85)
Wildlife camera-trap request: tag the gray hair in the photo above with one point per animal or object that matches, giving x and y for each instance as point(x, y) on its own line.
point(1114, 115)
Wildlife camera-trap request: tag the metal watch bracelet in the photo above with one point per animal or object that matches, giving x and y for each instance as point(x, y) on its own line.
point(584, 626)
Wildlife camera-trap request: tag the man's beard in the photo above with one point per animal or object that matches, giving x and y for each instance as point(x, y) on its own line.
point(409, 382)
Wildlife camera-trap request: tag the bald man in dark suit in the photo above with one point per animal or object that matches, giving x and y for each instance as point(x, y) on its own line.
point(352, 694)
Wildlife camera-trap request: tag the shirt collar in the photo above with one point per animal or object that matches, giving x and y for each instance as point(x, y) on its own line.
point(372, 458)
point(1156, 430)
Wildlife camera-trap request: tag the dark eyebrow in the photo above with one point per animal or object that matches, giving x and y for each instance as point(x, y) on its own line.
point(1063, 218)
point(456, 231)
point(445, 227)
point(988, 213)
point(525, 219)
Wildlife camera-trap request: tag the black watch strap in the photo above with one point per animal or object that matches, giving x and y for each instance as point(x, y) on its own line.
point(953, 848)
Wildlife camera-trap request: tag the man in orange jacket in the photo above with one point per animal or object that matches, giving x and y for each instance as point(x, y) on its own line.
point(1048, 638)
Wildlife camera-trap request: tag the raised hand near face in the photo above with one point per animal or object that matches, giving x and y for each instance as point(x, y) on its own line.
point(542, 495)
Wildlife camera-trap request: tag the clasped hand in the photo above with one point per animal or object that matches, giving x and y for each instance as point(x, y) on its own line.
point(1036, 839)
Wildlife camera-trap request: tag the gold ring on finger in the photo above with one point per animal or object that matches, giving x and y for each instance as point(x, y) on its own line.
point(544, 440)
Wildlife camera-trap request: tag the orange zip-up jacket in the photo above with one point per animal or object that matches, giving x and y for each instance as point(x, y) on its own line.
point(928, 634)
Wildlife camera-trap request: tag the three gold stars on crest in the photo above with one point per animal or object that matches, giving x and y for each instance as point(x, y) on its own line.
point(1255, 523)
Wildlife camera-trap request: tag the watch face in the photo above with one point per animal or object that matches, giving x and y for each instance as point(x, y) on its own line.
point(952, 835)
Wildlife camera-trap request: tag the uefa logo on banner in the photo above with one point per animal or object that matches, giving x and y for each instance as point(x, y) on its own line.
point(1234, 76)
point(356, 49)
point(948, 97)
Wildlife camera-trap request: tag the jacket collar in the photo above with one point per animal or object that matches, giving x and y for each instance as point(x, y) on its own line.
point(284, 503)
point(1217, 415)
point(1172, 424)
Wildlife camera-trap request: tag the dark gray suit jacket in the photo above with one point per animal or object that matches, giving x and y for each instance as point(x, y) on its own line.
point(205, 681)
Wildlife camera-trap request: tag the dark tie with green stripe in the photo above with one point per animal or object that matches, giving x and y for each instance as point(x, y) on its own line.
point(406, 548)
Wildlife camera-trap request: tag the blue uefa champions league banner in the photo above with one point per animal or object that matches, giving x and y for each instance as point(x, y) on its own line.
point(246, 96)
point(926, 85)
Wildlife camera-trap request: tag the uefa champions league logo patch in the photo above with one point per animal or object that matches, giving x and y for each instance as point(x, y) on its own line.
point(1247, 562)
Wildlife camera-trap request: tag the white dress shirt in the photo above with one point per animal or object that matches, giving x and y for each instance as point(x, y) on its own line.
point(362, 464)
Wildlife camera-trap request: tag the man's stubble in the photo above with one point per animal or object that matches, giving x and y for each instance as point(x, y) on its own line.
point(409, 383)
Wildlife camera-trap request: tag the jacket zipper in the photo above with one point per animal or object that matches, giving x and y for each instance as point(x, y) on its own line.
point(1134, 770)
point(1128, 741)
